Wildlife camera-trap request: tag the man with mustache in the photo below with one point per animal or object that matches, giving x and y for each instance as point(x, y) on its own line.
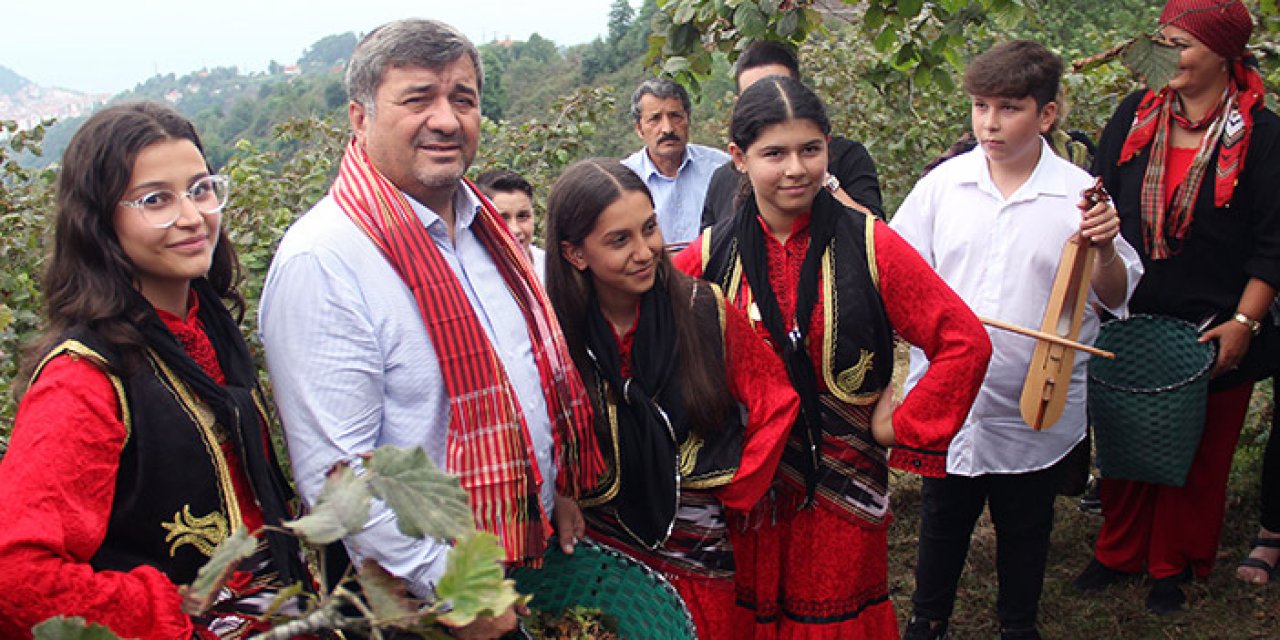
point(676, 172)
point(398, 311)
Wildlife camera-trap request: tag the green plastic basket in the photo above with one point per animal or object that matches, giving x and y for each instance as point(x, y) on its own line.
point(1147, 406)
point(646, 606)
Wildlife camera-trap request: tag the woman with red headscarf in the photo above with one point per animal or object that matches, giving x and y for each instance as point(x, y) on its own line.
point(1194, 169)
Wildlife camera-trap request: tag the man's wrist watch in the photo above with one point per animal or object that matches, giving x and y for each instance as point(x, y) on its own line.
point(1254, 325)
point(831, 182)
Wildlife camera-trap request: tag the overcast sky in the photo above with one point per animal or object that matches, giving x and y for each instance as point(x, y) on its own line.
point(109, 46)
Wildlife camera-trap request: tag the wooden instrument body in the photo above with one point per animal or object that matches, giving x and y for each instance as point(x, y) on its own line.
point(1044, 393)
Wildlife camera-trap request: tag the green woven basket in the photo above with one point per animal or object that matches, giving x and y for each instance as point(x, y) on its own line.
point(1147, 406)
point(646, 606)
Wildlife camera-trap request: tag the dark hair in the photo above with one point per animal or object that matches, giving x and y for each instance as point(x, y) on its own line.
point(577, 199)
point(763, 53)
point(772, 100)
point(429, 44)
point(503, 181)
point(1015, 69)
point(659, 88)
point(89, 281)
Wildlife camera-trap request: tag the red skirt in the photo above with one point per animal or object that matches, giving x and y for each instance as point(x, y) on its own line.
point(812, 575)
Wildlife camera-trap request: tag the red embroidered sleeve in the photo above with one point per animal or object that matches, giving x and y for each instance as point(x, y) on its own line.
point(759, 381)
point(928, 314)
point(59, 479)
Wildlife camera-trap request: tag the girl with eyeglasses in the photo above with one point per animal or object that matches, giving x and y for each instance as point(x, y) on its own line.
point(141, 438)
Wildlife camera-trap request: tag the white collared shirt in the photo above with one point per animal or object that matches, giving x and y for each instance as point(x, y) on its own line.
point(353, 367)
point(1001, 256)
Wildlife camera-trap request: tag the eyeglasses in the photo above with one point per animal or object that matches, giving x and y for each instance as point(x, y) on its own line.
point(161, 209)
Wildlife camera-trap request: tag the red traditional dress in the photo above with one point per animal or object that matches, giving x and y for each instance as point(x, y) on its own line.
point(732, 468)
point(61, 477)
point(821, 572)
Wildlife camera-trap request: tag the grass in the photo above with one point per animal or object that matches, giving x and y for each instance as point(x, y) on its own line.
point(1219, 607)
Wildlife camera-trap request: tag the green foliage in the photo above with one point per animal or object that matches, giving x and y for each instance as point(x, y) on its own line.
point(329, 52)
point(474, 583)
point(427, 501)
point(341, 509)
point(915, 38)
point(226, 557)
point(62, 628)
point(1152, 60)
point(385, 594)
point(26, 206)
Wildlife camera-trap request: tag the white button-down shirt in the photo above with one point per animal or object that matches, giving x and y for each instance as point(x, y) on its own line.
point(1001, 256)
point(353, 367)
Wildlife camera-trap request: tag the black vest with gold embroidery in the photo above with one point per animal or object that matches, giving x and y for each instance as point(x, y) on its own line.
point(856, 364)
point(699, 539)
point(174, 501)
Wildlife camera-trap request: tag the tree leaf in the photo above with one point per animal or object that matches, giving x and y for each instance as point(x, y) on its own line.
point(386, 595)
point(1157, 63)
point(63, 628)
point(749, 20)
point(427, 501)
point(341, 510)
point(910, 8)
point(473, 582)
point(226, 557)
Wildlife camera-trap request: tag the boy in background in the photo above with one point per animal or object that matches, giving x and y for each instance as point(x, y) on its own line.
point(993, 223)
point(512, 196)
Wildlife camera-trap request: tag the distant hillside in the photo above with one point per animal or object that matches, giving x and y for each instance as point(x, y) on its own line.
point(28, 103)
point(10, 81)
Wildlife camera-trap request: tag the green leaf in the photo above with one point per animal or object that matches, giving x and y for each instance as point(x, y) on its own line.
point(684, 12)
point(1267, 7)
point(1157, 63)
point(386, 595)
point(427, 501)
point(341, 510)
point(770, 7)
point(63, 628)
point(226, 557)
point(674, 65)
point(473, 581)
point(873, 19)
point(943, 80)
point(750, 21)
point(910, 8)
point(788, 24)
point(887, 38)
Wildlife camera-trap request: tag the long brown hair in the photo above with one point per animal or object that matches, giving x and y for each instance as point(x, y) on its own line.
point(89, 281)
point(577, 199)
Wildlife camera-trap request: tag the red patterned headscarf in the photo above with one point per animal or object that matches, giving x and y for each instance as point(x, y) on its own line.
point(1224, 26)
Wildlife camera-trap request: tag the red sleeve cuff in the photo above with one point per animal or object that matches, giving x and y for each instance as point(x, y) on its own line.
point(926, 463)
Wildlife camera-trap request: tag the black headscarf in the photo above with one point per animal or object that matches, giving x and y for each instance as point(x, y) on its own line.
point(791, 344)
point(650, 414)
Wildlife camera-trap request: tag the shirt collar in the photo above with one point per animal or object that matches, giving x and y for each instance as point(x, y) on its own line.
point(651, 169)
point(1047, 179)
point(465, 204)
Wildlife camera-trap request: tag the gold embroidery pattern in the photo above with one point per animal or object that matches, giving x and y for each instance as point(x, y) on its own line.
point(203, 533)
point(850, 380)
point(689, 453)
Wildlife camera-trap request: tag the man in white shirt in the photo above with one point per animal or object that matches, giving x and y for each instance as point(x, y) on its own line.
point(360, 359)
point(676, 172)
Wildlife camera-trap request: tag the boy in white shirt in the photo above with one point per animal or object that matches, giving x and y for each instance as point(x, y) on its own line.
point(993, 223)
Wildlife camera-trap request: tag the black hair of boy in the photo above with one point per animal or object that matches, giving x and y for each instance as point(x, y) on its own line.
point(503, 181)
point(1015, 69)
point(763, 53)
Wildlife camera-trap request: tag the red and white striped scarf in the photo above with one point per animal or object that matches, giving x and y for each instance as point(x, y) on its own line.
point(1165, 221)
point(488, 447)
